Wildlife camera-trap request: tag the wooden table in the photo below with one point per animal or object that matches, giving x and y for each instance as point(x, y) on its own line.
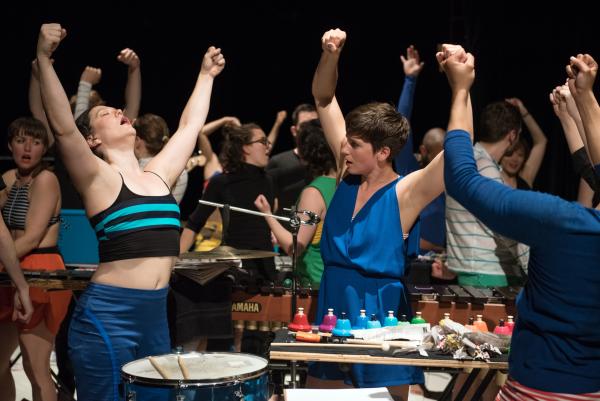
point(281, 349)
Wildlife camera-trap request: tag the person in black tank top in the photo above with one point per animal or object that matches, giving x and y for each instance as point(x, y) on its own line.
point(122, 314)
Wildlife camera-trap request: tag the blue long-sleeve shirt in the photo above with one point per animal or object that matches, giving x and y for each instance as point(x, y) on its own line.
point(556, 342)
point(405, 161)
point(433, 228)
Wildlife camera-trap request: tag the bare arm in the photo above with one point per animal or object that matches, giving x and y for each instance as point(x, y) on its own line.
point(187, 240)
point(204, 144)
point(23, 309)
point(323, 90)
point(44, 196)
point(35, 100)
point(133, 88)
point(171, 160)
point(536, 156)
point(559, 105)
point(77, 156)
point(274, 133)
point(310, 199)
point(582, 73)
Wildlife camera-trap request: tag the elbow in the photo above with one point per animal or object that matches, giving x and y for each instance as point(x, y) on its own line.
point(27, 244)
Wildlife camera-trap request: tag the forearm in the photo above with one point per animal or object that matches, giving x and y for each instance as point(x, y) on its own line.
point(186, 240)
point(284, 237)
point(590, 118)
point(537, 135)
point(205, 147)
point(36, 106)
point(8, 258)
point(26, 243)
point(325, 79)
point(196, 109)
point(55, 100)
point(133, 93)
point(574, 141)
point(461, 115)
point(274, 133)
point(405, 103)
point(82, 100)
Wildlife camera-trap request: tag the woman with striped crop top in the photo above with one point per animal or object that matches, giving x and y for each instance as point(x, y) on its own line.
point(30, 207)
point(122, 314)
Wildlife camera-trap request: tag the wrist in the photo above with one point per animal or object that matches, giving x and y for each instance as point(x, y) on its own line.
point(526, 114)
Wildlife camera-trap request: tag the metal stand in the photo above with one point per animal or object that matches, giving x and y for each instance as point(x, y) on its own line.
point(295, 222)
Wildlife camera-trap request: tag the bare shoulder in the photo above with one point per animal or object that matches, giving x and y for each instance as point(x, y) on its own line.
point(9, 177)
point(45, 180)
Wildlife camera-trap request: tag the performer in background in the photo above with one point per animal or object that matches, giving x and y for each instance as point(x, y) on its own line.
point(31, 210)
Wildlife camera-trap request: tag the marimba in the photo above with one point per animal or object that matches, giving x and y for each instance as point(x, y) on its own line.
point(463, 302)
point(271, 303)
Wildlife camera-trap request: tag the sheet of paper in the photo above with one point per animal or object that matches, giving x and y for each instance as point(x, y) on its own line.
point(351, 394)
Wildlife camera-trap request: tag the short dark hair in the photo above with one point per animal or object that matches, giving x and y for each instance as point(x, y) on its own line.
point(380, 125)
point(153, 130)
point(497, 120)
point(83, 123)
point(302, 108)
point(29, 126)
point(314, 149)
point(232, 151)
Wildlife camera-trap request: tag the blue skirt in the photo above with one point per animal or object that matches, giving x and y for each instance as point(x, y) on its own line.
point(349, 290)
point(110, 327)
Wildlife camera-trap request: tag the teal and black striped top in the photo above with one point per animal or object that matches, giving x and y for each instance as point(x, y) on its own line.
point(137, 226)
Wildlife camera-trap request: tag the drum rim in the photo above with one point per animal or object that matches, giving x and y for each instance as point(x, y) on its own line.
point(221, 382)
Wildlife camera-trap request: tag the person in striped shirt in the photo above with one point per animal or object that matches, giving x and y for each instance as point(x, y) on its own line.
point(478, 255)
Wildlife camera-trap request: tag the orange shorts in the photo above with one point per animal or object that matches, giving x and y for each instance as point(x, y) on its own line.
point(50, 307)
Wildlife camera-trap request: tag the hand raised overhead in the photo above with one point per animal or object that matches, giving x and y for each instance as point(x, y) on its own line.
point(49, 38)
point(129, 58)
point(559, 102)
point(333, 41)
point(581, 71)
point(213, 62)
point(91, 75)
point(458, 65)
point(412, 63)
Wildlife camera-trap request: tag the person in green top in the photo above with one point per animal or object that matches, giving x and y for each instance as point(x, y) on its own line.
point(315, 152)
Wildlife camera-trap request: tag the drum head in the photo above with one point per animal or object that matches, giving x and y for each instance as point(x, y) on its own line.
point(210, 368)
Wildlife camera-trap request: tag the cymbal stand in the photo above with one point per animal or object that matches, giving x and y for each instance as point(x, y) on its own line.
point(295, 222)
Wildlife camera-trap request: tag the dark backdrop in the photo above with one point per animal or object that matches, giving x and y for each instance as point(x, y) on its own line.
point(272, 49)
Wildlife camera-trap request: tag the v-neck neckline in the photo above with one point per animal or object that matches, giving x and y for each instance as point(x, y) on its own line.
point(354, 216)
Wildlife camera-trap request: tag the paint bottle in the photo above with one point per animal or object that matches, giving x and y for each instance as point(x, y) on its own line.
point(373, 323)
point(418, 319)
point(390, 319)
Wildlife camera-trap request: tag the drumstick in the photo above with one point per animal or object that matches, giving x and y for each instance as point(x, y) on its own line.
point(184, 369)
point(159, 368)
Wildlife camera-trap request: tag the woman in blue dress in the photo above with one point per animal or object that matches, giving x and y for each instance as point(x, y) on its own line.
point(371, 225)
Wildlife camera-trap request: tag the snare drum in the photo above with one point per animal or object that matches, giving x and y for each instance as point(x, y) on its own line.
point(213, 376)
